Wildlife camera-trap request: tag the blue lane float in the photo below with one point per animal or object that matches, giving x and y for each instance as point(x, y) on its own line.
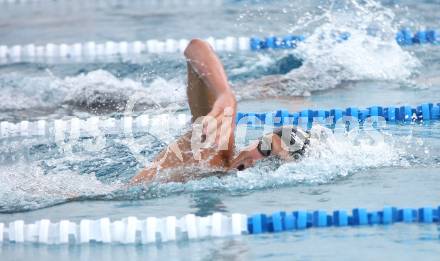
point(425, 112)
point(404, 37)
point(298, 220)
point(407, 37)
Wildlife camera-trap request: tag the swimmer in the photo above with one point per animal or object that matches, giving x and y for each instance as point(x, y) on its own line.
point(213, 108)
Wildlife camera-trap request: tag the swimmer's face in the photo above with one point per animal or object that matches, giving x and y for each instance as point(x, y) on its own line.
point(247, 157)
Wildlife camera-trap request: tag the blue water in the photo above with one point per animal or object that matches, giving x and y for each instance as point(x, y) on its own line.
point(369, 69)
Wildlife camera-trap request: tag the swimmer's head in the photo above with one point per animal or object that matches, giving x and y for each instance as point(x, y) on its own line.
point(288, 143)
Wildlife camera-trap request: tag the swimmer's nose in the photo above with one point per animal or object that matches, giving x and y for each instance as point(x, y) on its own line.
point(240, 167)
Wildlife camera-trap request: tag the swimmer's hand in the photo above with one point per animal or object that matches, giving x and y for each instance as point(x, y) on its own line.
point(224, 112)
point(224, 104)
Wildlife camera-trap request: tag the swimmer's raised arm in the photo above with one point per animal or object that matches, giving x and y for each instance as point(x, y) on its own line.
point(209, 94)
point(208, 89)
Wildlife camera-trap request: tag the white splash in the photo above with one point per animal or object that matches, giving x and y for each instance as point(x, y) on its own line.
point(25, 187)
point(97, 89)
point(330, 157)
point(101, 87)
point(370, 53)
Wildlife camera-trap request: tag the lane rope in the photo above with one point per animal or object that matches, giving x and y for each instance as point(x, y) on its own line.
point(132, 230)
point(79, 51)
point(95, 126)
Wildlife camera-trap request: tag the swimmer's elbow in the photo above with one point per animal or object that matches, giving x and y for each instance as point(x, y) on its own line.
point(195, 45)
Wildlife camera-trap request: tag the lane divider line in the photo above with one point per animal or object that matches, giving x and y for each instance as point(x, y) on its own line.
point(89, 50)
point(132, 230)
point(128, 125)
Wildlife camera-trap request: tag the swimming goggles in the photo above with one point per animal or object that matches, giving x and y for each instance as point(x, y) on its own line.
point(298, 141)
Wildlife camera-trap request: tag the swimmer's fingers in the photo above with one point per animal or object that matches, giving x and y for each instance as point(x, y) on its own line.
point(210, 126)
point(218, 117)
point(215, 130)
point(212, 120)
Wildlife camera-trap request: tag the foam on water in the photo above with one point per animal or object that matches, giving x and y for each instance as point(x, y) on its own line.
point(19, 92)
point(331, 157)
point(78, 176)
point(328, 159)
point(101, 87)
point(97, 90)
point(26, 186)
point(370, 52)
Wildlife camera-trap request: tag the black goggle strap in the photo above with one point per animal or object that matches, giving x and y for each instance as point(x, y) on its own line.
point(297, 137)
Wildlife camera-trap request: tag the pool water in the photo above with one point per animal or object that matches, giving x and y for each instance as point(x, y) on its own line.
point(339, 172)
